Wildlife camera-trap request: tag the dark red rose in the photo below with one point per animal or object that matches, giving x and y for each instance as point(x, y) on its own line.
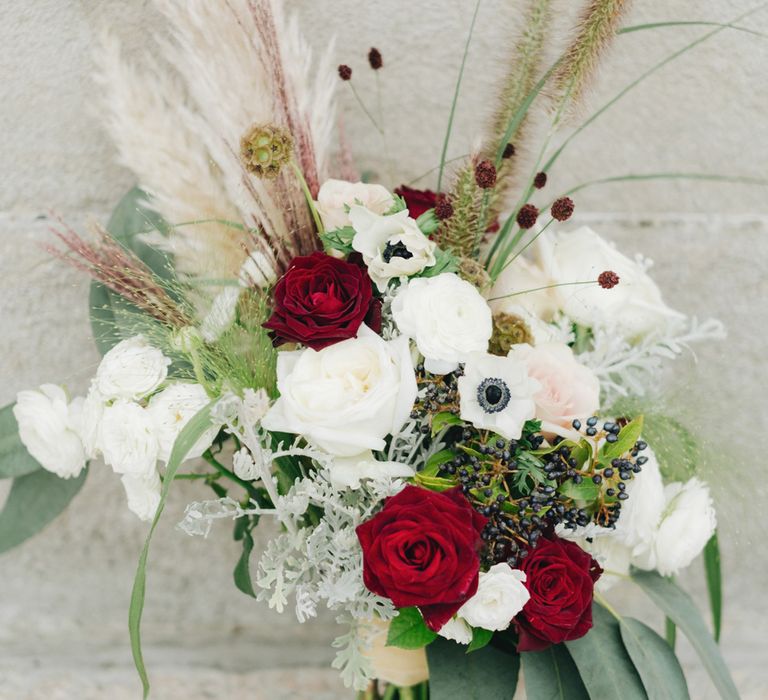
point(421, 550)
point(560, 577)
point(417, 201)
point(322, 300)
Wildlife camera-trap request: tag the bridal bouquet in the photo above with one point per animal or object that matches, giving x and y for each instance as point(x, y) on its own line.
point(446, 400)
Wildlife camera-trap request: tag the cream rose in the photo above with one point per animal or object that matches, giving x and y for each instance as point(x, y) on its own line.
point(401, 667)
point(568, 389)
point(47, 428)
point(345, 398)
point(500, 596)
point(336, 197)
point(391, 246)
point(446, 316)
point(128, 439)
point(143, 494)
point(132, 369)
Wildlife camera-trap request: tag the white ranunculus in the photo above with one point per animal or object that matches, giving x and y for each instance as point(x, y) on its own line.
point(401, 667)
point(687, 523)
point(447, 317)
point(336, 197)
point(392, 246)
point(568, 389)
point(128, 439)
point(457, 630)
point(496, 393)
point(171, 410)
point(48, 429)
point(88, 423)
point(513, 289)
point(612, 555)
point(143, 494)
point(347, 472)
point(131, 370)
point(500, 596)
point(347, 397)
point(634, 308)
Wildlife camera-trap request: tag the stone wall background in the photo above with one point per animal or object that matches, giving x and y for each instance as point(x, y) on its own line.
point(63, 608)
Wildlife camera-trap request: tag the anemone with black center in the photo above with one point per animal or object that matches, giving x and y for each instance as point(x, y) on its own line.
point(396, 250)
point(493, 395)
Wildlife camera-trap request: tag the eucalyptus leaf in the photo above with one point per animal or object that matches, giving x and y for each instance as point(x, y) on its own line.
point(603, 663)
point(552, 675)
point(35, 500)
point(654, 660)
point(678, 606)
point(487, 674)
point(15, 460)
point(409, 631)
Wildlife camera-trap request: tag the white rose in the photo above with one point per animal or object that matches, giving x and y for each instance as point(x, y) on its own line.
point(391, 246)
point(347, 472)
point(568, 389)
point(634, 308)
point(336, 197)
point(687, 523)
point(513, 289)
point(143, 494)
point(496, 394)
point(128, 439)
point(447, 317)
point(345, 398)
point(171, 410)
point(403, 667)
point(131, 370)
point(457, 630)
point(500, 596)
point(47, 427)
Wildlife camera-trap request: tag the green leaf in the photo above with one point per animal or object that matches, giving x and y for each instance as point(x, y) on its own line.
point(34, 501)
point(714, 583)
point(603, 662)
point(242, 572)
point(488, 674)
point(552, 675)
point(678, 606)
point(444, 262)
point(339, 239)
point(433, 483)
point(428, 223)
point(14, 458)
point(670, 632)
point(444, 419)
point(408, 630)
point(627, 438)
point(189, 435)
point(587, 490)
point(654, 660)
point(674, 446)
point(433, 464)
point(480, 638)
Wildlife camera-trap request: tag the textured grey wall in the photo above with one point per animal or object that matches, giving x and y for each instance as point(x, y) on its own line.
point(63, 607)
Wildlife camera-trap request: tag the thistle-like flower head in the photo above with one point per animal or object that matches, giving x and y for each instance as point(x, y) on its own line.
point(265, 149)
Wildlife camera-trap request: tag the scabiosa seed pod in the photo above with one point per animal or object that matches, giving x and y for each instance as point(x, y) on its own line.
point(509, 151)
point(485, 174)
point(375, 59)
point(527, 216)
point(608, 279)
point(443, 207)
point(474, 273)
point(540, 180)
point(345, 72)
point(508, 330)
point(265, 149)
point(562, 209)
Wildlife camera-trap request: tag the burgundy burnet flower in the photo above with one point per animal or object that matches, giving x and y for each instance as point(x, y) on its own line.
point(560, 577)
point(345, 72)
point(526, 217)
point(421, 550)
point(562, 209)
point(608, 279)
point(322, 300)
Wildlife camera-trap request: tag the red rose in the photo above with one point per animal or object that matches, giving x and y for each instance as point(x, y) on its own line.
point(322, 300)
point(421, 550)
point(560, 577)
point(417, 201)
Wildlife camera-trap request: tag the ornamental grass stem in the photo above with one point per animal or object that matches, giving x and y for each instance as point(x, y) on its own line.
point(364, 108)
point(308, 196)
point(538, 289)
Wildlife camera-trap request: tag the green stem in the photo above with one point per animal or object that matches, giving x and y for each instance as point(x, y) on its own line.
point(670, 632)
point(364, 108)
point(407, 693)
point(389, 693)
point(193, 476)
point(538, 289)
point(219, 467)
point(308, 197)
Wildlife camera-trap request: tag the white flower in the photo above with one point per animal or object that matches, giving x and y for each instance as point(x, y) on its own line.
point(143, 494)
point(513, 289)
point(336, 197)
point(403, 667)
point(346, 472)
point(496, 394)
point(47, 427)
point(612, 555)
point(221, 315)
point(171, 410)
point(128, 440)
point(347, 397)
point(500, 596)
point(88, 423)
point(391, 246)
point(568, 389)
point(687, 523)
point(131, 370)
point(633, 309)
point(457, 630)
point(446, 316)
